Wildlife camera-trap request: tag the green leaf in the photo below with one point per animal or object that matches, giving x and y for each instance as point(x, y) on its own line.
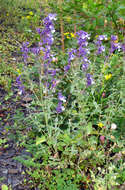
point(4, 187)
point(40, 140)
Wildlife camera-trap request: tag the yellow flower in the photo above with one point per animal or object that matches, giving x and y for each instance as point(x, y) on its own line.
point(72, 35)
point(22, 17)
point(66, 33)
point(107, 77)
point(31, 13)
point(19, 72)
point(67, 37)
point(100, 124)
point(28, 17)
point(116, 41)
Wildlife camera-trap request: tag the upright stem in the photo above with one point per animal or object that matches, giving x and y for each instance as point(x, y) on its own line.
point(75, 22)
point(61, 26)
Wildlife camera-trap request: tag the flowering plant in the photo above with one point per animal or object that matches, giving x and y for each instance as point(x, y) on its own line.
point(75, 98)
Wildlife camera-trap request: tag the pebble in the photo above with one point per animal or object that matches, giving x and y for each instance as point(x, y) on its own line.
point(13, 171)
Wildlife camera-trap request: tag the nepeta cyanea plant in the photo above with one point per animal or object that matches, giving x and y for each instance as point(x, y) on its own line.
point(77, 101)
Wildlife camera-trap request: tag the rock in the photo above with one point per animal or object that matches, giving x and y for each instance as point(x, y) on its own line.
point(5, 171)
point(13, 171)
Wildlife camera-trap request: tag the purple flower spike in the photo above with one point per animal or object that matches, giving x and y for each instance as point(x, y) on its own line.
point(20, 86)
point(25, 50)
point(61, 97)
point(18, 81)
point(60, 108)
point(89, 79)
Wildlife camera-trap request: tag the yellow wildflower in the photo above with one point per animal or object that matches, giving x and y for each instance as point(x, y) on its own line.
point(31, 13)
point(19, 72)
point(100, 124)
point(67, 37)
point(116, 41)
point(66, 33)
point(96, 36)
point(72, 35)
point(28, 17)
point(107, 77)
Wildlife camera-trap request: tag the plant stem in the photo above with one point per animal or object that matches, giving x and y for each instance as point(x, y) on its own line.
point(61, 25)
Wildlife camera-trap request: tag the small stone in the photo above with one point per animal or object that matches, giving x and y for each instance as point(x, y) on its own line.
point(12, 171)
point(5, 171)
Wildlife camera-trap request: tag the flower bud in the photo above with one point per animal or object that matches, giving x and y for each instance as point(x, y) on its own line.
point(103, 94)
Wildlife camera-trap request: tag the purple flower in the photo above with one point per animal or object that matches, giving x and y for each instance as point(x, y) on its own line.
point(115, 46)
point(21, 89)
point(25, 50)
point(36, 50)
point(71, 55)
point(67, 67)
point(82, 38)
point(18, 81)
point(83, 35)
point(85, 60)
point(61, 97)
point(52, 72)
point(114, 38)
point(100, 49)
point(60, 108)
point(85, 66)
point(102, 37)
point(54, 82)
point(38, 30)
point(89, 79)
point(82, 51)
point(52, 16)
point(20, 86)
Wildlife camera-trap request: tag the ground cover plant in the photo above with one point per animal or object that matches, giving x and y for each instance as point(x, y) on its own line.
point(70, 84)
